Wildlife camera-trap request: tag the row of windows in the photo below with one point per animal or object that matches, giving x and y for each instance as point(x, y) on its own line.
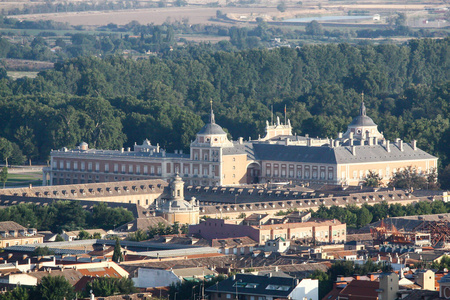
point(131, 169)
point(302, 175)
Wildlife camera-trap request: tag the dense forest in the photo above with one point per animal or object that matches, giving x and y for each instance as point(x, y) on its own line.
point(114, 101)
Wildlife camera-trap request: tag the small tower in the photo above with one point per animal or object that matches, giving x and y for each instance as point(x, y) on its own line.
point(177, 188)
point(176, 209)
point(362, 127)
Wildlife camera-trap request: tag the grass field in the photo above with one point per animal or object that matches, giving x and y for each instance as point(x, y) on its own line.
point(25, 179)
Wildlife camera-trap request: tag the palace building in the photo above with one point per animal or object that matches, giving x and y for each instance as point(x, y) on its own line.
point(280, 156)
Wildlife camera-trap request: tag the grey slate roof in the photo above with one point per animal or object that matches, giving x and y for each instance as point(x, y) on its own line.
point(245, 148)
point(211, 128)
point(362, 121)
point(378, 153)
point(326, 154)
point(254, 285)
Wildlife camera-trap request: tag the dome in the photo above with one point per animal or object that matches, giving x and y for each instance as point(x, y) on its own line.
point(362, 121)
point(212, 127)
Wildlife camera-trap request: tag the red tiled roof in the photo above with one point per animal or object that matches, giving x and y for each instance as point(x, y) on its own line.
point(100, 272)
point(358, 289)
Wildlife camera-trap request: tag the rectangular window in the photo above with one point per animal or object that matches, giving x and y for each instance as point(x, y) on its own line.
point(106, 167)
point(186, 170)
point(159, 170)
point(145, 170)
point(97, 167)
point(83, 166)
point(130, 169)
point(138, 169)
point(123, 169)
point(68, 165)
point(89, 166)
point(75, 165)
point(152, 170)
point(116, 168)
point(61, 165)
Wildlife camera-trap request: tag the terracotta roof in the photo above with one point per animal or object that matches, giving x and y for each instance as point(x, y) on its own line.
point(100, 272)
point(70, 274)
point(357, 289)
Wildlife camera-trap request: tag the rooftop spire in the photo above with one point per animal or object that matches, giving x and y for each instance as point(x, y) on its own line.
point(362, 109)
point(212, 119)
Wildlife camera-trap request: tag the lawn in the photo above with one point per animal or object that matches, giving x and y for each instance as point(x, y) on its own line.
point(24, 179)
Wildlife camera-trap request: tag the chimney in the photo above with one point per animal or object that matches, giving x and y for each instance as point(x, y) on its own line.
point(375, 140)
point(308, 142)
point(337, 143)
point(354, 150)
point(128, 149)
point(414, 145)
point(157, 148)
point(241, 140)
point(400, 145)
point(351, 142)
point(369, 141)
point(388, 147)
point(340, 135)
point(121, 150)
point(351, 135)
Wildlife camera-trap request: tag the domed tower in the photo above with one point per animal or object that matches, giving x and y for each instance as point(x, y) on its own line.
point(362, 127)
point(212, 135)
point(176, 208)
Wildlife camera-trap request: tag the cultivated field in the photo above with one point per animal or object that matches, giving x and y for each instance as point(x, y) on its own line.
point(201, 14)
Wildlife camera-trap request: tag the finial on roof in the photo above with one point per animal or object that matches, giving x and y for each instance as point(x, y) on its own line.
point(362, 109)
point(212, 119)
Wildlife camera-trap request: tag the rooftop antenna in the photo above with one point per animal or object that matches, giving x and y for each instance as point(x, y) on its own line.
point(285, 120)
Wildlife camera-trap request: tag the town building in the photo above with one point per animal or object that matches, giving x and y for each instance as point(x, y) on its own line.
point(13, 234)
point(280, 156)
point(323, 231)
point(246, 286)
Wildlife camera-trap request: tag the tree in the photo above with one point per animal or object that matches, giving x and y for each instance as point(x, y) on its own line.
point(117, 255)
point(409, 179)
point(314, 28)
point(364, 217)
point(54, 288)
point(107, 286)
point(444, 177)
point(42, 251)
point(281, 6)
point(139, 235)
point(6, 150)
point(373, 179)
point(84, 235)
point(4, 176)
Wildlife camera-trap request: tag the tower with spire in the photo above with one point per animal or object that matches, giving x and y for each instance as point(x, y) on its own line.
point(211, 135)
point(362, 128)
